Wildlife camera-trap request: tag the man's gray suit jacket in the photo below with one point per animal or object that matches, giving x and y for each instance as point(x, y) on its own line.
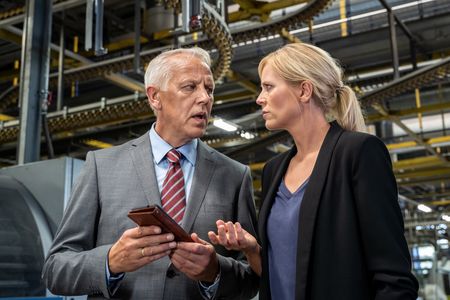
point(114, 181)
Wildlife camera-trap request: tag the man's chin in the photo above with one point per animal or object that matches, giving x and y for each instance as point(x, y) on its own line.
point(197, 133)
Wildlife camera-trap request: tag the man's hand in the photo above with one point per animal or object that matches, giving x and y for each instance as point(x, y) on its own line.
point(197, 260)
point(139, 246)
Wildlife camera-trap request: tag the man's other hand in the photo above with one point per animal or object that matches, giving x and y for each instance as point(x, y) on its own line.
point(197, 260)
point(138, 247)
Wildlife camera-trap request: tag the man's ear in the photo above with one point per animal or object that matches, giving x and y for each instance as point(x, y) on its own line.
point(305, 91)
point(153, 97)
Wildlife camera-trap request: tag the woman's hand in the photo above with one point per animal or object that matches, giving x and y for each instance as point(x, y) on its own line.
point(234, 237)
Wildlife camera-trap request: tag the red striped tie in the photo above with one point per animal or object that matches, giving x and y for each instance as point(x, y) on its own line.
point(173, 196)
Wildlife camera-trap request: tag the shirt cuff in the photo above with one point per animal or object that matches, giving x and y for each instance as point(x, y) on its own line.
point(208, 291)
point(112, 280)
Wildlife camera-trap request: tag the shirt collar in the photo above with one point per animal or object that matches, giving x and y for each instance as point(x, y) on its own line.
point(160, 147)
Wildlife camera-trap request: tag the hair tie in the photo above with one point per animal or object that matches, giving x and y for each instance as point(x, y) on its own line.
point(339, 89)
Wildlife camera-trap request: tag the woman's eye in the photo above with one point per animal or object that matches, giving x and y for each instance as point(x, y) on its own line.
point(267, 87)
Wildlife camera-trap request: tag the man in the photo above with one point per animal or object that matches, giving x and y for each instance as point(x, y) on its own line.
point(100, 252)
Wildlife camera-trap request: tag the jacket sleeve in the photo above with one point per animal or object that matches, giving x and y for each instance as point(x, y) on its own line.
point(381, 223)
point(237, 279)
point(74, 265)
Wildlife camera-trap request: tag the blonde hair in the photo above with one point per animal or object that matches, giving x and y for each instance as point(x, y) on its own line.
point(161, 68)
point(299, 62)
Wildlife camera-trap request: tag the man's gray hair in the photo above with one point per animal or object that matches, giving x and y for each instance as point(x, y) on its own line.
point(160, 69)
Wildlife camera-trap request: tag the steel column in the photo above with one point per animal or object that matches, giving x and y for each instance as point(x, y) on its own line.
point(137, 36)
point(34, 75)
point(394, 47)
point(62, 48)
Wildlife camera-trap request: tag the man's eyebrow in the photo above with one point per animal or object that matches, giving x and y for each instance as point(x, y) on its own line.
point(188, 80)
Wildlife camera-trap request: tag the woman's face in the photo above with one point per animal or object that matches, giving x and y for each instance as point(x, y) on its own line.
point(280, 106)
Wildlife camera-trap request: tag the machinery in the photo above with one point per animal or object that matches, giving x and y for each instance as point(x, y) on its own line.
point(32, 201)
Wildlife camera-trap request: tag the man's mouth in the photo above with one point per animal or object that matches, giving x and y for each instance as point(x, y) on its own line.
point(200, 117)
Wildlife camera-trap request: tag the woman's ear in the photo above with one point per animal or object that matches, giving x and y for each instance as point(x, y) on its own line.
point(153, 97)
point(305, 91)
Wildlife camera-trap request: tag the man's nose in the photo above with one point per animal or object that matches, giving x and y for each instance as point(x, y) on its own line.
point(204, 95)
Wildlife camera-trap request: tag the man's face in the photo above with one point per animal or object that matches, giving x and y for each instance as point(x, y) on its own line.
point(184, 106)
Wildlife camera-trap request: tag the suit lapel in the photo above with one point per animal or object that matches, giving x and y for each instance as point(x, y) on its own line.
point(309, 207)
point(142, 158)
point(204, 169)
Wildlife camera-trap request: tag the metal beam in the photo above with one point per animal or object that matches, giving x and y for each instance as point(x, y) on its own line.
point(259, 143)
point(423, 173)
point(438, 202)
point(403, 27)
point(97, 144)
point(416, 163)
point(242, 81)
point(4, 117)
point(430, 195)
point(411, 133)
point(411, 144)
point(408, 82)
point(428, 180)
point(137, 36)
point(411, 111)
point(57, 7)
point(393, 39)
point(118, 79)
point(250, 8)
point(10, 37)
point(62, 48)
point(233, 97)
point(34, 77)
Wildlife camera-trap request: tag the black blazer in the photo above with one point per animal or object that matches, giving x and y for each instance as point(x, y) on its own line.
point(351, 242)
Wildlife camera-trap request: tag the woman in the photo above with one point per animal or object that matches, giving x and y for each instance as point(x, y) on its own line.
point(330, 226)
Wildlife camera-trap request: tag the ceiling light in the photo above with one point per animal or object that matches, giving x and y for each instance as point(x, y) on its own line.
point(360, 16)
point(225, 125)
point(424, 208)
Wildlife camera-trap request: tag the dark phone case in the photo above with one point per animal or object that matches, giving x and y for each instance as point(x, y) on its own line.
point(155, 215)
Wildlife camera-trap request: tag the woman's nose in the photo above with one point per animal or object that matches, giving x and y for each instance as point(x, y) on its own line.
point(260, 100)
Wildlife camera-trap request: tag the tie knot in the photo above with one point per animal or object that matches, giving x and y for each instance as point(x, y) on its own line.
point(173, 156)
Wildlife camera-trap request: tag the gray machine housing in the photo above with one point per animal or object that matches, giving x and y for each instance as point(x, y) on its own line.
point(33, 198)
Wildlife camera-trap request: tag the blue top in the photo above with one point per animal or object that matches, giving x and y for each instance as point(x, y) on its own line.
point(282, 233)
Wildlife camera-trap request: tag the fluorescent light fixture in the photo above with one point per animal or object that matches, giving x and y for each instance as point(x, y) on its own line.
point(424, 208)
point(446, 218)
point(225, 125)
point(360, 16)
point(339, 21)
point(442, 241)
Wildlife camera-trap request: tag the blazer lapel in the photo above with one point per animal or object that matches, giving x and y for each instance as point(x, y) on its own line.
point(271, 193)
point(309, 206)
point(203, 172)
point(274, 181)
point(142, 158)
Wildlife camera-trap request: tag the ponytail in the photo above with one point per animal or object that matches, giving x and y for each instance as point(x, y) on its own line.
point(348, 110)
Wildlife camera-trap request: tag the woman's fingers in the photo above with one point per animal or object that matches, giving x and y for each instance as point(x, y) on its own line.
point(231, 234)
